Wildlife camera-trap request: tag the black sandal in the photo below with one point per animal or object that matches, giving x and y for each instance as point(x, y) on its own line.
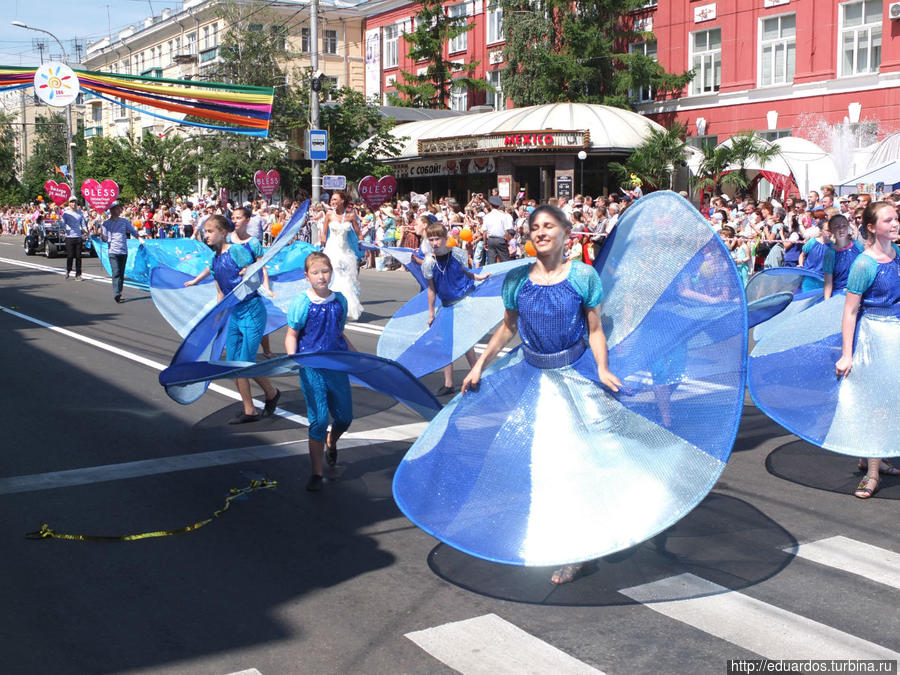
point(863, 491)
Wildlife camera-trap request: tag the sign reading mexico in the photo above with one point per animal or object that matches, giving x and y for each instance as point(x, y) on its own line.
point(267, 182)
point(100, 195)
point(376, 192)
point(56, 84)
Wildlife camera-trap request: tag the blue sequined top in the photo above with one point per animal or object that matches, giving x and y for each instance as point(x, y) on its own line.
point(226, 267)
point(551, 318)
point(447, 274)
point(319, 321)
point(818, 256)
point(840, 269)
point(877, 283)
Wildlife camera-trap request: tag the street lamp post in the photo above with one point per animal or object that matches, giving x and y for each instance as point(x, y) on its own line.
point(582, 155)
point(69, 144)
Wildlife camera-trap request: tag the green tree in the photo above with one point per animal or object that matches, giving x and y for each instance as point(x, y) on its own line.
point(655, 160)
point(557, 51)
point(48, 152)
point(10, 192)
point(350, 120)
point(432, 89)
point(727, 162)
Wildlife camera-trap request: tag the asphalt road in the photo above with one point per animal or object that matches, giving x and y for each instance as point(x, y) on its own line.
point(778, 562)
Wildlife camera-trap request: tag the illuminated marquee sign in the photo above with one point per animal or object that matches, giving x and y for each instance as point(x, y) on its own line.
point(548, 139)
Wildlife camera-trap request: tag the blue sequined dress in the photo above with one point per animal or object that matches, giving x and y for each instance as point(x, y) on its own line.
point(855, 415)
point(542, 465)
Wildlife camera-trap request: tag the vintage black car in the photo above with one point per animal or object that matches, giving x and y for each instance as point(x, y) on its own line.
point(49, 238)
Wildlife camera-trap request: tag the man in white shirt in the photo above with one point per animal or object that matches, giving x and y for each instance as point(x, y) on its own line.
point(255, 226)
point(497, 223)
point(75, 226)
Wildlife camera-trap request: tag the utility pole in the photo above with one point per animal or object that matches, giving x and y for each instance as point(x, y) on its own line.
point(315, 86)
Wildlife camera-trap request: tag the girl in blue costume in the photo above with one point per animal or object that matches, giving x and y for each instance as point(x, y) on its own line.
point(248, 320)
point(845, 252)
point(316, 322)
point(873, 285)
point(554, 304)
point(241, 218)
point(449, 280)
point(816, 255)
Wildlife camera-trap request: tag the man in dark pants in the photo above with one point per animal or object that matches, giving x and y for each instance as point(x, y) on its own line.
point(115, 232)
point(75, 226)
point(495, 229)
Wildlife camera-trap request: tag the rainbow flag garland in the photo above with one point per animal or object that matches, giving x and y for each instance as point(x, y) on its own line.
point(227, 107)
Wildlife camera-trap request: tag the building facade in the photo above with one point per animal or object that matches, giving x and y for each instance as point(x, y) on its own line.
point(186, 45)
point(778, 67)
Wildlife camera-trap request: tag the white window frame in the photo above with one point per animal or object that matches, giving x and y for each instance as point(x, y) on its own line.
point(773, 43)
point(461, 42)
point(698, 86)
point(329, 36)
point(495, 99)
point(646, 94)
point(869, 29)
point(459, 97)
point(391, 39)
point(304, 39)
point(493, 30)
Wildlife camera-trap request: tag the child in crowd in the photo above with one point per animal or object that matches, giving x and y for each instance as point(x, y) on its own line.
point(315, 323)
point(248, 320)
point(449, 279)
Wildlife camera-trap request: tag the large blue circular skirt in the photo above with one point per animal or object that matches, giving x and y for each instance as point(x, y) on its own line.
point(547, 467)
point(792, 380)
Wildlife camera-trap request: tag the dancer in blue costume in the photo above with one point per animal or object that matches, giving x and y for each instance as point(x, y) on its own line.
point(449, 279)
point(845, 252)
point(247, 323)
point(316, 321)
point(241, 219)
point(873, 287)
point(816, 255)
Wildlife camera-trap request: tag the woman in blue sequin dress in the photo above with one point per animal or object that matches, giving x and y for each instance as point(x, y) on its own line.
point(871, 325)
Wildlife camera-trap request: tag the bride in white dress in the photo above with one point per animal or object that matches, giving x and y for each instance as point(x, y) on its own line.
point(345, 278)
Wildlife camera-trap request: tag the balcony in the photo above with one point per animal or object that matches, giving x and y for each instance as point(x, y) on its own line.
point(93, 131)
point(209, 54)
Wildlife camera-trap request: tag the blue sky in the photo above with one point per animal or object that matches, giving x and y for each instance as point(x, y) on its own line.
point(67, 19)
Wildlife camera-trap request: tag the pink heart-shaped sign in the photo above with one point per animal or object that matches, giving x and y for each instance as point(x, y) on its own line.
point(100, 195)
point(58, 192)
point(376, 192)
point(267, 181)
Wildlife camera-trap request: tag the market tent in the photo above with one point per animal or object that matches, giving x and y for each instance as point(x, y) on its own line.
point(887, 174)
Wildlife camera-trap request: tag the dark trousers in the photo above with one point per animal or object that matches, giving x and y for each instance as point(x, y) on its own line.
point(117, 268)
point(497, 250)
point(73, 252)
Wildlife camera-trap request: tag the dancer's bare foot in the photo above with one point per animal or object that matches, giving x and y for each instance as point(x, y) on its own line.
point(566, 574)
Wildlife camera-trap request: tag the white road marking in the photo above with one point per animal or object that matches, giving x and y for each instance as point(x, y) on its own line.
point(248, 671)
point(855, 557)
point(53, 270)
point(759, 627)
point(489, 645)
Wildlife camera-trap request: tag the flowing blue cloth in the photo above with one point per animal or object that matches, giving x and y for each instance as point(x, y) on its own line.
point(544, 466)
point(792, 377)
point(197, 360)
point(766, 293)
point(408, 339)
point(405, 257)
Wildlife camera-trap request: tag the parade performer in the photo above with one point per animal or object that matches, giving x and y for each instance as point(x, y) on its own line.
point(873, 284)
point(559, 452)
point(855, 336)
point(114, 232)
point(845, 252)
point(241, 218)
point(336, 239)
point(75, 228)
point(248, 321)
point(316, 322)
point(449, 280)
point(816, 255)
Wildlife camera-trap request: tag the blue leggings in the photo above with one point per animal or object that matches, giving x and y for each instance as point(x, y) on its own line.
point(326, 391)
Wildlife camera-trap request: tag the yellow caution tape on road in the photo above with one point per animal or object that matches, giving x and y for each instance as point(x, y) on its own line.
point(46, 533)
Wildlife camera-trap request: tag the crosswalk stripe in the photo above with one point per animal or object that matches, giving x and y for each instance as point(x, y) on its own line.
point(489, 645)
point(754, 625)
point(853, 556)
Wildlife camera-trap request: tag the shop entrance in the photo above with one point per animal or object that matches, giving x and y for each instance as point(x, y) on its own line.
point(535, 181)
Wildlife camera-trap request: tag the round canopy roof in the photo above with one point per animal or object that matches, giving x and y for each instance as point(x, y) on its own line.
point(611, 130)
point(887, 151)
point(810, 166)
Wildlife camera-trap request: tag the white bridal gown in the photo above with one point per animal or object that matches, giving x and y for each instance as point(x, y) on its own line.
point(345, 278)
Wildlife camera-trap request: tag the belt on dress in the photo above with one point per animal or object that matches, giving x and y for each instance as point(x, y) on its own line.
point(882, 310)
point(555, 359)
